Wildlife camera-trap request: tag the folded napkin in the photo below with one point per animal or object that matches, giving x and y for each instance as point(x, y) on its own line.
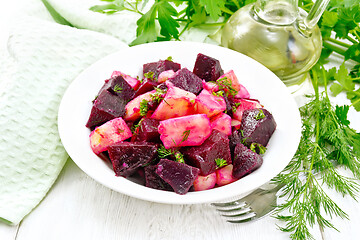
point(43, 58)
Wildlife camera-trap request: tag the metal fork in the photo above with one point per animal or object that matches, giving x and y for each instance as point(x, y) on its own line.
point(256, 205)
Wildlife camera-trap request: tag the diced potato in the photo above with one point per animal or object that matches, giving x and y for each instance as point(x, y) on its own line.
point(165, 76)
point(235, 123)
point(209, 104)
point(133, 107)
point(176, 103)
point(205, 182)
point(224, 175)
point(111, 132)
point(244, 104)
point(221, 122)
point(190, 130)
point(210, 86)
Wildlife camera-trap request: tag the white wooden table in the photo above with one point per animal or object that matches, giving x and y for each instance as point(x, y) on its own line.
point(77, 207)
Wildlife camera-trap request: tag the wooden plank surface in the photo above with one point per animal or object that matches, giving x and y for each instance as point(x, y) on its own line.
point(79, 208)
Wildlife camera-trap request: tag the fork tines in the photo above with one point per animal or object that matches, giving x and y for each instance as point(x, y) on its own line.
point(235, 212)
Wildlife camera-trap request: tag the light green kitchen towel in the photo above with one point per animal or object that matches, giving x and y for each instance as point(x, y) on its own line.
point(41, 60)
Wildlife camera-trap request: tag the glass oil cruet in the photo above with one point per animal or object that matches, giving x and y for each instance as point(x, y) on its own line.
point(278, 34)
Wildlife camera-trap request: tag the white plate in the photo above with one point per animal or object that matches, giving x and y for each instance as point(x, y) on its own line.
point(261, 83)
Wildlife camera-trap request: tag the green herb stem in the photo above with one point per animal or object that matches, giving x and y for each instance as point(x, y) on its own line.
point(334, 48)
point(341, 43)
point(351, 39)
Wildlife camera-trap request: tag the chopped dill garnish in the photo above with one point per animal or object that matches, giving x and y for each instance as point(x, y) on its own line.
point(117, 88)
point(226, 85)
point(164, 153)
point(135, 127)
point(149, 75)
point(220, 162)
point(218, 93)
point(144, 108)
point(158, 95)
point(185, 135)
point(260, 115)
point(258, 148)
point(170, 58)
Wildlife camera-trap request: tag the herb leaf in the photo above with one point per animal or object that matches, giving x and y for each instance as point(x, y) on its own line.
point(146, 31)
point(169, 26)
point(213, 7)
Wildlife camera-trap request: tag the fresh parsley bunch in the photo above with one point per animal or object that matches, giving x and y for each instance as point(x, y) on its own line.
point(168, 19)
point(340, 28)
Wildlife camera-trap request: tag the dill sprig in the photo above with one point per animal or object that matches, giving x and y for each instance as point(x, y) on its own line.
point(164, 153)
point(220, 162)
point(225, 84)
point(327, 141)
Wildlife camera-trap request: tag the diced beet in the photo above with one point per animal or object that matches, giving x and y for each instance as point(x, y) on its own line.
point(245, 161)
point(145, 86)
point(180, 176)
point(153, 180)
point(234, 139)
point(107, 106)
point(187, 80)
point(257, 126)
point(160, 66)
point(203, 156)
point(127, 157)
point(133, 82)
point(147, 131)
point(120, 87)
point(207, 68)
point(228, 104)
point(111, 101)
